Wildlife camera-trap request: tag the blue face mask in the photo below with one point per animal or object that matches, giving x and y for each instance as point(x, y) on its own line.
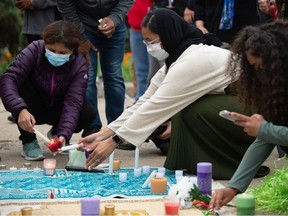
point(57, 59)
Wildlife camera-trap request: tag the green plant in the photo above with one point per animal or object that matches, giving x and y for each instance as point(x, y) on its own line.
point(5, 59)
point(127, 67)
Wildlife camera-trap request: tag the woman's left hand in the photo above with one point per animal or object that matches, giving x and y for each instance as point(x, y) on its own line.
point(101, 151)
point(167, 133)
point(251, 124)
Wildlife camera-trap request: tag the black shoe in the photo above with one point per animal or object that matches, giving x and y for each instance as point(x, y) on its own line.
point(11, 119)
point(89, 132)
point(262, 171)
point(127, 146)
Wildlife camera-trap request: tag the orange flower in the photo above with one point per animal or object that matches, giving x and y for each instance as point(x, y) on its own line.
point(8, 55)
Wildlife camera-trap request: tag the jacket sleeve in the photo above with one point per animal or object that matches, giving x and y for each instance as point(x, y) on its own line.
point(69, 12)
point(41, 4)
point(199, 8)
point(15, 75)
point(73, 102)
point(119, 13)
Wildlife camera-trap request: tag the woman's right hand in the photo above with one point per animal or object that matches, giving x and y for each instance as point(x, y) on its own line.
point(221, 197)
point(26, 121)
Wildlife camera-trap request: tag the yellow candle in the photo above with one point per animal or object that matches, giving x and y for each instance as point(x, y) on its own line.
point(158, 185)
point(116, 164)
point(109, 209)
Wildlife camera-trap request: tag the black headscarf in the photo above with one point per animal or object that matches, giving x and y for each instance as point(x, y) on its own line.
point(177, 35)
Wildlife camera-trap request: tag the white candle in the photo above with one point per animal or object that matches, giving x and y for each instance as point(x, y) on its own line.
point(178, 173)
point(38, 133)
point(49, 166)
point(146, 169)
point(161, 170)
point(136, 158)
point(13, 169)
point(37, 169)
point(69, 147)
point(159, 175)
point(111, 160)
point(23, 169)
point(152, 175)
point(137, 172)
point(178, 178)
point(122, 177)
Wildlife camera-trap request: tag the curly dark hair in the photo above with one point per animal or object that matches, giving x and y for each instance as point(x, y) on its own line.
point(263, 91)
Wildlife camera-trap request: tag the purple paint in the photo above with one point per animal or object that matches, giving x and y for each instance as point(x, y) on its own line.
point(204, 177)
point(90, 206)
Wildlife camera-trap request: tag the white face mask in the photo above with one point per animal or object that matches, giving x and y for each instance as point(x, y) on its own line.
point(157, 52)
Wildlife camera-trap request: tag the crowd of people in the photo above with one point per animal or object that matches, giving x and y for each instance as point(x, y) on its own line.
point(212, 56)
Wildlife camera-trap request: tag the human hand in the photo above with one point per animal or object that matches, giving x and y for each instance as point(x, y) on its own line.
point(251, 124)
point(107, 27)
point(221, 197)
point(23, 4)
point(167, 133)
point(26, 121)
point(188, 15)
point(85, 47)
point(101, 151)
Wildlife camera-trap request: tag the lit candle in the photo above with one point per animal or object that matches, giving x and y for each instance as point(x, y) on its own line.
point(13, 169)
point(136, 157)
point(90, 206)
point(171, 207)
point(137, 172)
point(54, 145)
point(38, 133)
point(161, 170)
point(158, 185)
point(49, 166)
point(146, 169)
point(116, 164)
point(122, 177)
point(148, 180)
point(111, 160)
point(245, 204)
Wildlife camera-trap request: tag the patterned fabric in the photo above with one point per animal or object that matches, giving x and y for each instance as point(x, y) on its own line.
point(227, 15)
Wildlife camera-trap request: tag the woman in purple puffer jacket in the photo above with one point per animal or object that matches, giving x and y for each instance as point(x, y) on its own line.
point(46, 84)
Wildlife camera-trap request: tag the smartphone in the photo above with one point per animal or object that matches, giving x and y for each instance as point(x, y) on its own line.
point(226, 114)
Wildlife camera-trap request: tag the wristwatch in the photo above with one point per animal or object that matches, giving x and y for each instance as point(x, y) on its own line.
point(118, 140)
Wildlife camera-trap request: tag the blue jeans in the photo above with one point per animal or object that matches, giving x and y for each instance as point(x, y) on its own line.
point(141, 61)
point(111, 53)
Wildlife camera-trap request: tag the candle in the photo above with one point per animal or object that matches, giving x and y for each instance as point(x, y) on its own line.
point(109, 209)
point(49, 166)
point(178, 178)
point(137, 172)
point(204, 177)
point(178, 173)
point(26, 211)
point(38, 133)
point(37, 169)
point(90, 206)
point(148, 180)
point(171, 207)
point(158, 185)
point(27, 164)
point(116, 164)
point(136, 157)
point(245, 204)
point(146, 169)
point(159, 175)
point(23, 169)
point(161, 170)
point(55, 145)
point(111, 160)
point(69, 147)
point(13, 169)
point(2, 166)
point(122, 177)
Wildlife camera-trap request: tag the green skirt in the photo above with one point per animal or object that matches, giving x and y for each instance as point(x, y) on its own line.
point(199, 134)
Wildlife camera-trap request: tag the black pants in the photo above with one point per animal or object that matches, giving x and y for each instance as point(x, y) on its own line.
point(39, 105)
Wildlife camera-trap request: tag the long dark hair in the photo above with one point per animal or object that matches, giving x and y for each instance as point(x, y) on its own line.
point(263, 91)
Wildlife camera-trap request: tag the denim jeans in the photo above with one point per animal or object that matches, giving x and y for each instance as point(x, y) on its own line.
point(141, 61)
point(111, 52)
